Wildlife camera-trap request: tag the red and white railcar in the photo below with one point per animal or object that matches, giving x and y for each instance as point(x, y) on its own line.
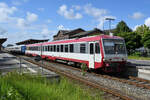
point(103, 51)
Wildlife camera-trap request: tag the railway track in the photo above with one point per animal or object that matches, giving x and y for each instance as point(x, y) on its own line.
point(112, 93)
point(132, 81)
point(138, 82)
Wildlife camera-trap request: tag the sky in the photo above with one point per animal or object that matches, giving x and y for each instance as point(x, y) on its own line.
point(41, 19)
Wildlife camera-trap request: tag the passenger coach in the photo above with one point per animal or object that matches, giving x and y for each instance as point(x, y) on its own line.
point(104, 51)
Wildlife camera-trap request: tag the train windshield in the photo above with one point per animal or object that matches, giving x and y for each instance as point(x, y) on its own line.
point(114, 46)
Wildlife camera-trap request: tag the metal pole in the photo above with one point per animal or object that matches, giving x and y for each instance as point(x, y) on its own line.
point(103, 24)
point(109, 19)
point(109, 26)
point(41, 58)
point(20, 64)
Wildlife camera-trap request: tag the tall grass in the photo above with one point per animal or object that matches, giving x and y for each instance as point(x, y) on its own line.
point(27, 87)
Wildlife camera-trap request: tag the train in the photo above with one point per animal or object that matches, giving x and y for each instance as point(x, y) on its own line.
point(97, 52)
point(19, 49)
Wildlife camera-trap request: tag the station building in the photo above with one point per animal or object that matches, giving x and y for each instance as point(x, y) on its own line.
point(76, 33)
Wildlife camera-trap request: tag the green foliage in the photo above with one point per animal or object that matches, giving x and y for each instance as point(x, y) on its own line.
point(132, 40)
point(137, 54)
point(27, 87)
point(122, 27)
point(7, 92)
point(83, 68)
point(141, 30)
point(138, 58)
point(146, 39)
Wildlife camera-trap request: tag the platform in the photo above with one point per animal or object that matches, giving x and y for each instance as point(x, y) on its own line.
point(10, 63)
point(139, 68)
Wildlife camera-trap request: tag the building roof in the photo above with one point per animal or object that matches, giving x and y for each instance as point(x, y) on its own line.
point(81, 34)
point(2, 40)
point(73, 31)
point(63, 31)
point(31, 41)
point(69, 31)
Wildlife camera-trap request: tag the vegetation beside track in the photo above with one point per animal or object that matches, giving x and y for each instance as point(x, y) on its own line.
point(14, 86)
point(138, 58)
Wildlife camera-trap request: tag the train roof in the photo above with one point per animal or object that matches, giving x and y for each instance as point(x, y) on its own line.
point(91, 38)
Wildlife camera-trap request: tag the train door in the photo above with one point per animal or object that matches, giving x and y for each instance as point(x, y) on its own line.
point(91, 54)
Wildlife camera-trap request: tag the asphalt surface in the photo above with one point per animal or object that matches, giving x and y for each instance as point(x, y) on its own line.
point(140, 63)
point(9, 63)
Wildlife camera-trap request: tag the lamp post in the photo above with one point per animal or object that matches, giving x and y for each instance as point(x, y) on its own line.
point(109, 19)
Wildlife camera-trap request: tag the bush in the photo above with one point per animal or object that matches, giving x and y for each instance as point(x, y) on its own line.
point(83, 68)
point(14, 86)
point(136, 54)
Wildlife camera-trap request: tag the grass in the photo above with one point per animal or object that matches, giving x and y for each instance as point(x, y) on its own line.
point(26, 87)
point(138, 58)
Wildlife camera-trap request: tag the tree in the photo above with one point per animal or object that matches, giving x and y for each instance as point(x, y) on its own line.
point(132, 40)
point(146, 39)
point(141, 30)
point(122, 27)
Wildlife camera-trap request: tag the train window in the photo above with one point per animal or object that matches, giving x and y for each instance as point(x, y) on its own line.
point(91, 48)
point(62, 47)
point(51, 48)
point(54, 48)
point(71, 48)
point(43, 48)
point(82, 48)
point(97, 48)
point(57, 48)
point(66, 48)
point(48, 48)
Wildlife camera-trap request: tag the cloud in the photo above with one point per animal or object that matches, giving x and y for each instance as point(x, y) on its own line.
point(61, 27)
point(31, 17)
point(137, 15)
point(68, 13)
point(6, 12)
point(98, 14)
point(24, 23)
point(95, 12)
point(21, 23)
point(45, 31)
point(2, 31)
point(147, 22)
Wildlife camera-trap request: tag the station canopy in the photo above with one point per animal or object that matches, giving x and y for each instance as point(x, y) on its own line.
point(2, 40)
point(31, 41)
